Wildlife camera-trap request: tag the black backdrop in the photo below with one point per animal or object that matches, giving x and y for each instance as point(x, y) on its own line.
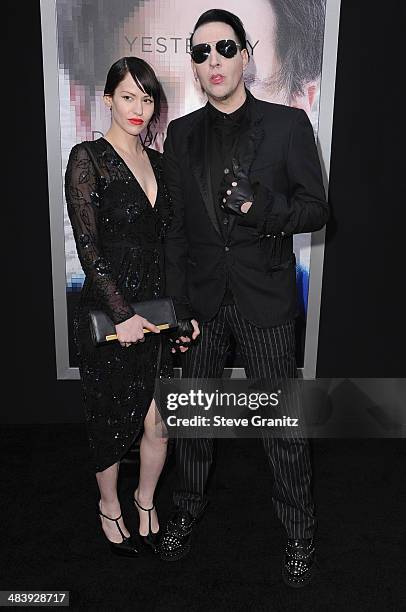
point(362, 318)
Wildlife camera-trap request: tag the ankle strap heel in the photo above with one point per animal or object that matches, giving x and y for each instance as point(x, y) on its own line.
point(127, 547)
point(116, 522)
point(152, 538)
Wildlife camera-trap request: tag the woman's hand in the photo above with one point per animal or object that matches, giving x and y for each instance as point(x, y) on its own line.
point(131, 331)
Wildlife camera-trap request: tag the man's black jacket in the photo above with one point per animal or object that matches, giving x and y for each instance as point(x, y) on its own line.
point(257, 254)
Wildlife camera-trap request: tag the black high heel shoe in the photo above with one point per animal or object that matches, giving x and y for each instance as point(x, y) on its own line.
point(127, 547)
point(152, 538)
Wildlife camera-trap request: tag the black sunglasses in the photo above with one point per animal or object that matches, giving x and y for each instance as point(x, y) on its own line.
point(226, 48)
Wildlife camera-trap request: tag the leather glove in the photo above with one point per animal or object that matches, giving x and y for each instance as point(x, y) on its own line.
point(235, 190)
point(184, 329)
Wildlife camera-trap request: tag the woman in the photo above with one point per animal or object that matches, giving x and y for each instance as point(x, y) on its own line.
point(119, 210)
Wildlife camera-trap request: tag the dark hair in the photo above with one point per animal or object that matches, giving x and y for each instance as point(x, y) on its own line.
point(224, 17)
point(146, 79)
point(299, 42)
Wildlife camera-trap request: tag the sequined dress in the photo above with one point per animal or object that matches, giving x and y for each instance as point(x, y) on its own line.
point(118, 235)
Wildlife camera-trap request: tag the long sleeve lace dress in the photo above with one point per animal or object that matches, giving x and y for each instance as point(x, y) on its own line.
point(118, 234)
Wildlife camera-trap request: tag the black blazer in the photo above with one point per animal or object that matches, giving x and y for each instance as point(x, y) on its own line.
point(257, 256)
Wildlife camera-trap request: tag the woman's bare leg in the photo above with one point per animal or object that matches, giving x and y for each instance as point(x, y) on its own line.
point(153, 448)
point(109, 504)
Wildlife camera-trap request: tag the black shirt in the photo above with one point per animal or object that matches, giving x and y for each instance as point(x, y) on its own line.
point(223, 136)
point(224, 130)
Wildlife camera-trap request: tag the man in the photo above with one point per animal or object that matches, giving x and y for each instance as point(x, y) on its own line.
point(244, 176)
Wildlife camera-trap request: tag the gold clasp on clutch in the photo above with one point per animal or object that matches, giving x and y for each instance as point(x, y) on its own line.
point(146, 331)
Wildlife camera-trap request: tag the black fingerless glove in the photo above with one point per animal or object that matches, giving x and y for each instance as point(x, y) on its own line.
point(184, 329)
point(235, 190)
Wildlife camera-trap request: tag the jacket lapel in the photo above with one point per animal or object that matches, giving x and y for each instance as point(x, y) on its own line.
point(250, 138)
point(199, 161)
point(249, 143)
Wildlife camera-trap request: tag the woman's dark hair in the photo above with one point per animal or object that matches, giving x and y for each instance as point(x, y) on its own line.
point(146, 80)
point(223, 17)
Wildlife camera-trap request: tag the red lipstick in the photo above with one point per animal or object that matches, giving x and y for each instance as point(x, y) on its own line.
point(136, 121)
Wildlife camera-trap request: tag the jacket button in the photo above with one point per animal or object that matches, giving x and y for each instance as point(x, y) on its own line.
point(225, 221)
point(226, 249)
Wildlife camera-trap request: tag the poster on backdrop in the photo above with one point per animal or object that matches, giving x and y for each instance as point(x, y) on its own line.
point(286, 40)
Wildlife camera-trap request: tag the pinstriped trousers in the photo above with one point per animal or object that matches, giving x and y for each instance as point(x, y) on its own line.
point(268, 353)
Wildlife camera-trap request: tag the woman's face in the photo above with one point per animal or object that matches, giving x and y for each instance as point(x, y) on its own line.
point(131, 108)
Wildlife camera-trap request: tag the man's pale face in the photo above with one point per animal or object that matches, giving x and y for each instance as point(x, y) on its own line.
point(219, 77)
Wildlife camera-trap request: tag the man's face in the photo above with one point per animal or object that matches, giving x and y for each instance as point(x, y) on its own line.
point(219, 77)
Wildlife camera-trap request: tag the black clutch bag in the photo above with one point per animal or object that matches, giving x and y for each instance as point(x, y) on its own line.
point(160, 312)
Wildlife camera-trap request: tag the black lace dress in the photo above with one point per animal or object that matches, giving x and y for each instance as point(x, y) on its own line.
point(118, 236)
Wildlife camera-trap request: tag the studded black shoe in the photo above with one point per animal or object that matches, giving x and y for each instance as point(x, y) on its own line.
point(151, 539)
point(126, 548)
point(175, 541)
point(298, 563)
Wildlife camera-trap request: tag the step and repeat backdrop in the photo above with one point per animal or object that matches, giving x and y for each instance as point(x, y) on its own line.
point(292, 44)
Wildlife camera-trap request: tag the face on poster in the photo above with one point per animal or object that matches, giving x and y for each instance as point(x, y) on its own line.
point(93, 34)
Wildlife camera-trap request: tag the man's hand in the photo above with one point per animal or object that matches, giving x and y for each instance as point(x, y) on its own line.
point(236, 193)
point(187, 331)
